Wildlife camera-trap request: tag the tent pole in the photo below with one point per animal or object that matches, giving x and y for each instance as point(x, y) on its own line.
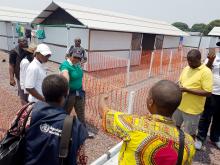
point(13, 33)
point(68, 35)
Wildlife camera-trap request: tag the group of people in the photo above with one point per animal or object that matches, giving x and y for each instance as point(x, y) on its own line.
point(200, 86)
point(54, 97)
point(156, 138)
point(191, 105)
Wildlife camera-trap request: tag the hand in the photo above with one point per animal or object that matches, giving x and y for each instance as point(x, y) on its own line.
point(43, 99)
point(211, 56)
point(12, 82)
point(183, 89)
point(102, 103)
point(73, 113)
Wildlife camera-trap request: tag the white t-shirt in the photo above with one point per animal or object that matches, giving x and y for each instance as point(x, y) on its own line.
point(34, 78)
point(23, 68)
point(216, 74)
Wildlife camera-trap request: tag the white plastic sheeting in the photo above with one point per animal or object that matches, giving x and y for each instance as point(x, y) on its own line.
point(103, 40)
point(3, 36)
point(83, 34)
point(171, 42)
point(193, 41)
point(111, 21)
point(215, 32)
point(57, 40)
point(17, 15)
point(8, 17)
point(8, 36)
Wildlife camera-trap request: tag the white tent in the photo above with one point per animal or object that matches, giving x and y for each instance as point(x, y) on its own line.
point(112, 21)
point(102, 32)
point(196, 39)
point(8, 18)
point(215, 32)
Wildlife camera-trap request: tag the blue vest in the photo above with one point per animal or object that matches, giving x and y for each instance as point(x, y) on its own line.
point(43, 136)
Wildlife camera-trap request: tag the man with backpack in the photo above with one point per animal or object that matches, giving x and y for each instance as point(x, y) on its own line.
point(43, 133)
point(42, 138)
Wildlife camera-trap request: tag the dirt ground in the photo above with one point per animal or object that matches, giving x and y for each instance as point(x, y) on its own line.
point(9, 105)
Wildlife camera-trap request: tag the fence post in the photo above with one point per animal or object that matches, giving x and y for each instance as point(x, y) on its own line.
point(181, 59)
point(151, 63)
point(131, 102)
point(128, 72)
point(170, 62)
point(128, 68)
point(161, 62)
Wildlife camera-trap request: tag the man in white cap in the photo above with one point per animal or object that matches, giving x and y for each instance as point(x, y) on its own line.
point(36, 73)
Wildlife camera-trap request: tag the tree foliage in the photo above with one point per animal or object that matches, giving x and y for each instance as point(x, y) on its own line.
point(211, 25)
point(198, 27)
point(182, 26)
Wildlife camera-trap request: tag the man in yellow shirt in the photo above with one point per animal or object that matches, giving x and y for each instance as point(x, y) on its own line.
point(196, 84)
point(150, 139)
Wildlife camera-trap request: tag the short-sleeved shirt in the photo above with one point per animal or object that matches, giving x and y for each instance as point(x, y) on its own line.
point(15, 57)
point(75, 74)
point(23, 68)
point(147, 140)
point(199, 78)
point(76, 50)
point(35, 75)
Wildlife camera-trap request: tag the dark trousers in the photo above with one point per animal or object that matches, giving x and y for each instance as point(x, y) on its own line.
point(211, 114)
point(78, 103)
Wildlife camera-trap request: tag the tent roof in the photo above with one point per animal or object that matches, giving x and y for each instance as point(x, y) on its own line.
point(112, 21)
point(215, 32)
point(17, 15)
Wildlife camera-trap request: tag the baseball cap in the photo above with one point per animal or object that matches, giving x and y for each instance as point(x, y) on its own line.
point(31, 48)
point(43, 49)
point(76, 55)
point(22, 39)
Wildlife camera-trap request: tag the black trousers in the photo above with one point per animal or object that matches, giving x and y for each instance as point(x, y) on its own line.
point(211, 115)
point(78, 103)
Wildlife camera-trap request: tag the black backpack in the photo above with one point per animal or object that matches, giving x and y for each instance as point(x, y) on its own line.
point(11, 146)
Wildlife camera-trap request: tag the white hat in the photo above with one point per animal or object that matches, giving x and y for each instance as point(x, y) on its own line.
point(43, 49)
point(31, 48)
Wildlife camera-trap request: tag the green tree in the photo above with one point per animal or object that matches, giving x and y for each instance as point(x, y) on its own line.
point(211, 25)
point(182, 26)
point(200, 27)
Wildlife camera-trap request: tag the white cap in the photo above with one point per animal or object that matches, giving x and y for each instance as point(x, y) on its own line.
point(43, 49)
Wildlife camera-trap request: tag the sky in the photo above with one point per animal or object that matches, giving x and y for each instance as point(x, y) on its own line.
point(188, 11)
